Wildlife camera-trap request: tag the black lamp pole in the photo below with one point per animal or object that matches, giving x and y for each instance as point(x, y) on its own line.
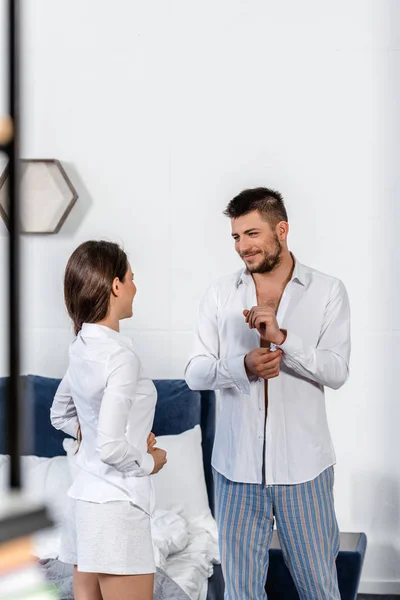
point(12, 149)
point(17, 519)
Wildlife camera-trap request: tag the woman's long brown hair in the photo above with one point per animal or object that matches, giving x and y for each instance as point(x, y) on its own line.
point(88, 280)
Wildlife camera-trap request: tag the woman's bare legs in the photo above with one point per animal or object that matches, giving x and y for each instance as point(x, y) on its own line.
point(127, 587)
point(86, 586)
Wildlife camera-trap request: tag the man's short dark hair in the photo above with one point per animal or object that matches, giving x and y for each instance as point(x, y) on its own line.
point(268, 202)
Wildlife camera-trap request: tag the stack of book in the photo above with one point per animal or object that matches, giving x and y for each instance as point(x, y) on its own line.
point(20, 575)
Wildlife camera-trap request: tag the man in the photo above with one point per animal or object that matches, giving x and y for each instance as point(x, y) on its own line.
point(271, 337)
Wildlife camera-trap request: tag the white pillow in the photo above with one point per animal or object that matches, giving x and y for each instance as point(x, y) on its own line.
point(180, 486)
point(44, 480)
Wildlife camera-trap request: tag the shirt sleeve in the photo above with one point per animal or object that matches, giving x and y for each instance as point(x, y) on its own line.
point(63, 413)
point(205, 370)
point(118, 399)
point(328, 363)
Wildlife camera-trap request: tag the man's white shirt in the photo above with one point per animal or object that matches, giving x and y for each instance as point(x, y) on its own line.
point(314, 310)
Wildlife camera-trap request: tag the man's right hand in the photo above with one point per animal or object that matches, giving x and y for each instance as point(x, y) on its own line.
point(263, 363)
point(160, 459)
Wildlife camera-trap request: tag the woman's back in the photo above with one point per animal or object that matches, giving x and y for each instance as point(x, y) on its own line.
point(115, 407)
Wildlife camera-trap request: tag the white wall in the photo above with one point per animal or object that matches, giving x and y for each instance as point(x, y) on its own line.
point(162, 111)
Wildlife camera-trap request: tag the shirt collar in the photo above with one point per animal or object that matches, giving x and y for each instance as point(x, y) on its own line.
point(92, 330)
point(301, 274)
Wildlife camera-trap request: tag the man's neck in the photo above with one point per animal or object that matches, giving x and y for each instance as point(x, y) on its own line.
point(280, 276)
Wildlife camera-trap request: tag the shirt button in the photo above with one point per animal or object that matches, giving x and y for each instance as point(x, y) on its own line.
point(260, 408)
point(260, 437)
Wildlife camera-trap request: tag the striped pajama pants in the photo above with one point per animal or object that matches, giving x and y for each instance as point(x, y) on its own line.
point(307, 529)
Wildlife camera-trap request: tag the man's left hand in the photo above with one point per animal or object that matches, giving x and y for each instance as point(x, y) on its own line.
point(263, 318)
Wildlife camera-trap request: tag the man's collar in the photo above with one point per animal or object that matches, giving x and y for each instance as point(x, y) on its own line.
point(301, 274)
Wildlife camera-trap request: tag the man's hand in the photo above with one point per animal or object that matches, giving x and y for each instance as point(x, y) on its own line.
point(263, 319)
point(263, 363)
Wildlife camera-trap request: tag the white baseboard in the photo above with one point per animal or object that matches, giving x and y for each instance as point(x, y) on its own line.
point(379, 587)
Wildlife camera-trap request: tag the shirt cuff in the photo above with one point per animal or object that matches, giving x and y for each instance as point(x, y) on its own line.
point(148, 463)
point(237, 371)
point(293, 345)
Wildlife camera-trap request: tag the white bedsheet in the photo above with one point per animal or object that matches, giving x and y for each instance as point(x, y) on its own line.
point(170, 535)
point(191, 567)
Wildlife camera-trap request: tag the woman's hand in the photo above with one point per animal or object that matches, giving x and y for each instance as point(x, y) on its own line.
point(151, 442)
point(160, 459)
point(160, 456)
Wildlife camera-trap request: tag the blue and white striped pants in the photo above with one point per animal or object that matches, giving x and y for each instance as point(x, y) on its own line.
point(307, 529)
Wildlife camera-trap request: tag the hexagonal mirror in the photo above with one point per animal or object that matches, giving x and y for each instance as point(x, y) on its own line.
point(47, 196)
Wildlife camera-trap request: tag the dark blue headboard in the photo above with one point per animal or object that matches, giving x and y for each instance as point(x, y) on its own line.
point(178, 409)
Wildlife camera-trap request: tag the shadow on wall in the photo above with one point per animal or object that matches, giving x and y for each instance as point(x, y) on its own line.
point(82, 206)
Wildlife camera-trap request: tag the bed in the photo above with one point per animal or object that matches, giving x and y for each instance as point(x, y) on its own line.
point(181, 414)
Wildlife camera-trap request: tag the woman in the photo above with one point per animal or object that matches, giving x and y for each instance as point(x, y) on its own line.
point(105, 396)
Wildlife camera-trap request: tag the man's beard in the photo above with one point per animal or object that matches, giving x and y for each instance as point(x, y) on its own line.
point(270, 261)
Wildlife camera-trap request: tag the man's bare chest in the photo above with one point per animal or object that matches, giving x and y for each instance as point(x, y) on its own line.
point(269, 297)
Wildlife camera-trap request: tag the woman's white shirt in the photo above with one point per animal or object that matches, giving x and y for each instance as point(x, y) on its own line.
point(104, 391)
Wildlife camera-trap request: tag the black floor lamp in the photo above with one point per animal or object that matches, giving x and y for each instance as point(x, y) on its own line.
point(17, 517)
